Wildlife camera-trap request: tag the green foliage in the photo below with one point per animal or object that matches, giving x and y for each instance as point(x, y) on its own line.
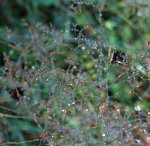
point(58, 84)
point(46, 2)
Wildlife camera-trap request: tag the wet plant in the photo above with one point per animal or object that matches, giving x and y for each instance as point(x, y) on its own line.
point(68, 85)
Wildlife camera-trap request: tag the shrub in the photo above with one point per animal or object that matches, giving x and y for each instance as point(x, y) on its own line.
point(75, 81)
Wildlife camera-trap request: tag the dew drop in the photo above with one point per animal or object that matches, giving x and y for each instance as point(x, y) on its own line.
point(63, 110)
point(103, 134)
point(138, 141)
point(139, 13)
point(35, 102)
point(33, 67)
point(145, 131)
point(83, 48)
point(138, 108)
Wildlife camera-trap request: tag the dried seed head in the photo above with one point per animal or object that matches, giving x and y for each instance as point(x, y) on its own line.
point(118, 58)
point(17, 93)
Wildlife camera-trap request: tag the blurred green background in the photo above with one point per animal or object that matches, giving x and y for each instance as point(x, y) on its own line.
point(124, 26)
